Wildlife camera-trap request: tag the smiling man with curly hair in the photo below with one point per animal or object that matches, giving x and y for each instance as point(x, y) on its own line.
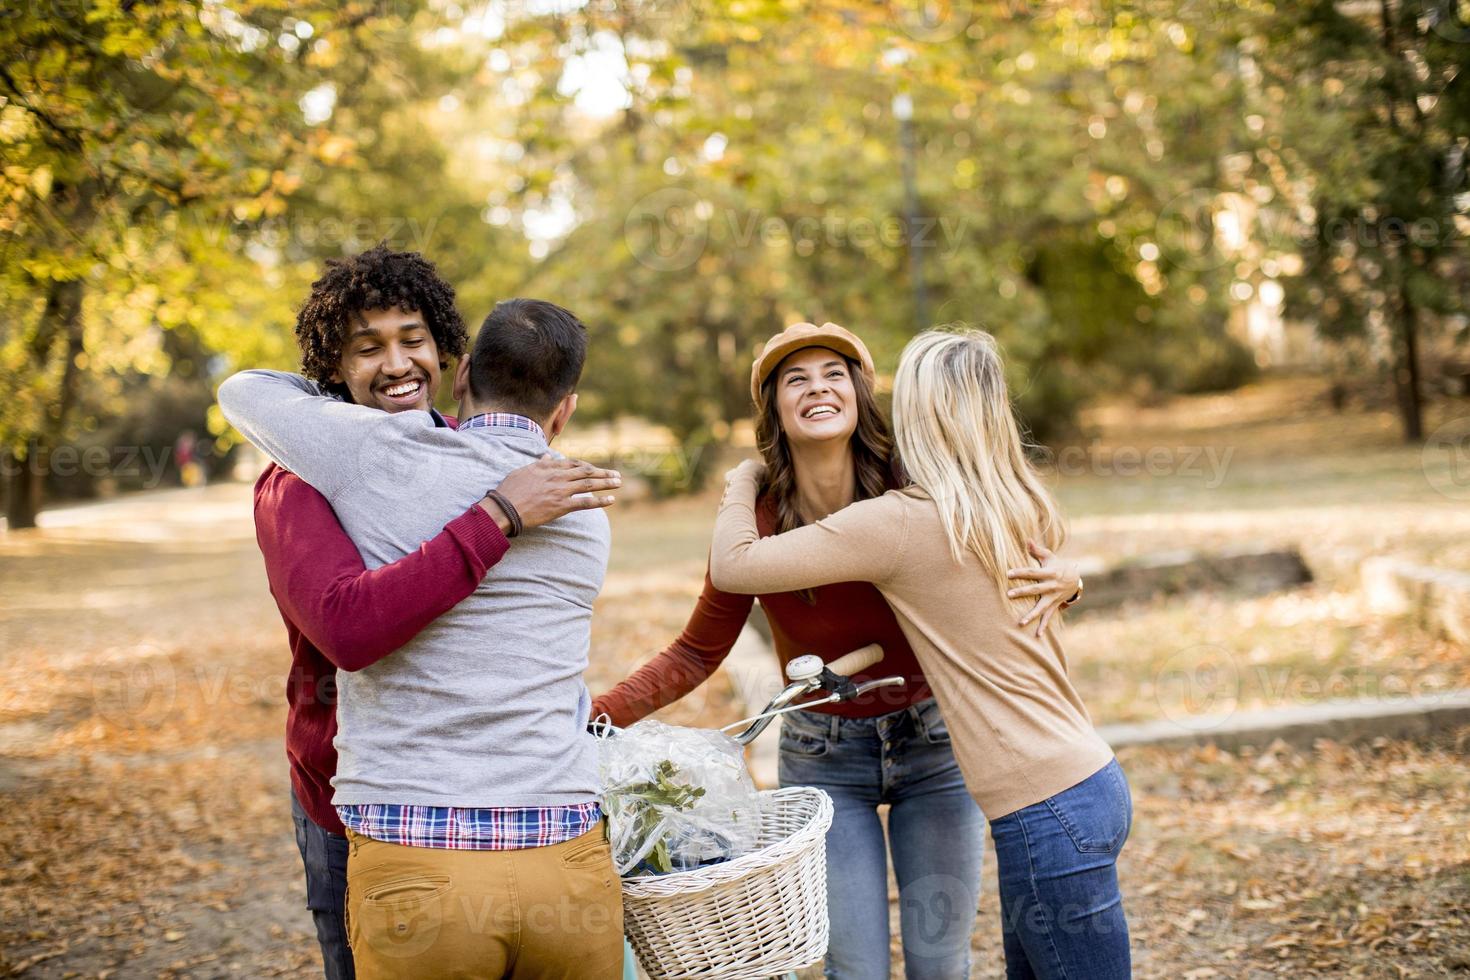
point(379, 329)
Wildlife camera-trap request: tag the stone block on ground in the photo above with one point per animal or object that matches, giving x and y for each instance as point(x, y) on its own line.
point(1438, 597)
point(1243, 572)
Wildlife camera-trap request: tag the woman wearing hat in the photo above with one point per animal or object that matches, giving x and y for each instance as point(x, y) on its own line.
point(825, 445)
point(1058, 802)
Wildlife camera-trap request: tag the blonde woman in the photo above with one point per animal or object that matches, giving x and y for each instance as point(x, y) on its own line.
point(1057, 801)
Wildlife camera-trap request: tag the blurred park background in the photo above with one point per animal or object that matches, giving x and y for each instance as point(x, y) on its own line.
point(1223, 243)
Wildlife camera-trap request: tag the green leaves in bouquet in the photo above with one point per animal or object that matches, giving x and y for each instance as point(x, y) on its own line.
point(646, 799)
point(664, 791)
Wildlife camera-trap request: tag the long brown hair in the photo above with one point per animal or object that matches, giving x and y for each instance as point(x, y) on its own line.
point(872, 450)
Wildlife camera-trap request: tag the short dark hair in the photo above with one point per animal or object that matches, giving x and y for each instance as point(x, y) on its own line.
point(377, 279)
point(528, 356)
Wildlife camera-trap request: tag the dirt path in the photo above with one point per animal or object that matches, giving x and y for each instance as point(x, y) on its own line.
point(149, 832)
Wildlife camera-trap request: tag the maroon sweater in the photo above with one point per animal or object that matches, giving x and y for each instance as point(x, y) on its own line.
point(339, 615)
point(843, 617)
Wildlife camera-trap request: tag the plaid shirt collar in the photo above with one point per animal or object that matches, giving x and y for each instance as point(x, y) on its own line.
point(504, 420)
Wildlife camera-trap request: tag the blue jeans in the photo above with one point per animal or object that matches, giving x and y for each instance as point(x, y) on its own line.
point(325, 856)
point(1061, 911)
point(936, 834)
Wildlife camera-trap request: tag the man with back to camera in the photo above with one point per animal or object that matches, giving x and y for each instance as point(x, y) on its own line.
point(374, 328)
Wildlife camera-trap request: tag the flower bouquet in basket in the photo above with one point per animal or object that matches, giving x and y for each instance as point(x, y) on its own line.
point(676, 798)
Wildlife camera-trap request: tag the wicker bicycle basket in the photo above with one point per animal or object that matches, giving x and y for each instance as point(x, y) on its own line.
point(760, 915)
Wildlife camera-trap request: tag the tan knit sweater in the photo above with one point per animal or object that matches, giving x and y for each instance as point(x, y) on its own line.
point(1020, 732)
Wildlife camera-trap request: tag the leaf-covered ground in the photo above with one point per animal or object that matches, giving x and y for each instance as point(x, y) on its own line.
point(1339, 862)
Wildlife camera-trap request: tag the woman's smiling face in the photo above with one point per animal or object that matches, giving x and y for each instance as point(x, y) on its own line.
point(815, 397)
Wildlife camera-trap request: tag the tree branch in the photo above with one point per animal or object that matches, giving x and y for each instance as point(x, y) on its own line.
point(67, 133)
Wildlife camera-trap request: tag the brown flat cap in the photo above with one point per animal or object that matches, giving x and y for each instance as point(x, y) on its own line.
point(799, 336)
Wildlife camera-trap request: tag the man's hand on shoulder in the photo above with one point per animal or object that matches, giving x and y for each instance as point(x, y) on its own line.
point(542, 491)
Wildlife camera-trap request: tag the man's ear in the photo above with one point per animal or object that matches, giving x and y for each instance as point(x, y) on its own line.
point(461, 379)
point(563, 414)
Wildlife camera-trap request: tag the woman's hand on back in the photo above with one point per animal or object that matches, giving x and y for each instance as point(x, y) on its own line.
point(1054, 584)
point(754, 467)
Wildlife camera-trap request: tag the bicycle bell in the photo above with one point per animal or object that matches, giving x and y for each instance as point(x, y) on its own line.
point(804, 668)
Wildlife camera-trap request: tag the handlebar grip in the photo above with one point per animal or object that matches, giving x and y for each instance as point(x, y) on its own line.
point(857, 661)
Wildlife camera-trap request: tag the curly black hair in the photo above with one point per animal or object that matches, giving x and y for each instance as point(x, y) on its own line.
point(377, 279)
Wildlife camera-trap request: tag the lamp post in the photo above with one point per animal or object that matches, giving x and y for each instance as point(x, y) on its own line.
point(903, 111)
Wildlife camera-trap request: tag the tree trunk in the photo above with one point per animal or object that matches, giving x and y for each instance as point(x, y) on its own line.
point(65, 303)
point(1406, 374)
point(58, 334)
point(22, 489)
point(1406, 371)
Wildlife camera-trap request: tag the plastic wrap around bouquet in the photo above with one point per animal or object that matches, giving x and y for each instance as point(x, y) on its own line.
point(676, 798)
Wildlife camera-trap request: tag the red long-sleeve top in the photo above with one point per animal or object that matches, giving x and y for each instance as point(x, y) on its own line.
point(339, 615)
point(838, 619)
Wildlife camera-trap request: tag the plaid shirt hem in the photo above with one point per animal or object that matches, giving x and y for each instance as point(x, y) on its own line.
point(471, 828)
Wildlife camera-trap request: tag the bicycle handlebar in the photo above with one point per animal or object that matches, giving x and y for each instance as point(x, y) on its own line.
point(857, 661)
point(804, 683)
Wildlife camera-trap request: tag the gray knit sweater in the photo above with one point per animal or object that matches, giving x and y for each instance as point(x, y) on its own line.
point(485, 707)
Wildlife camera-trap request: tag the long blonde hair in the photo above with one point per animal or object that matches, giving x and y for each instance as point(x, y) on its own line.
point(957, 439)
